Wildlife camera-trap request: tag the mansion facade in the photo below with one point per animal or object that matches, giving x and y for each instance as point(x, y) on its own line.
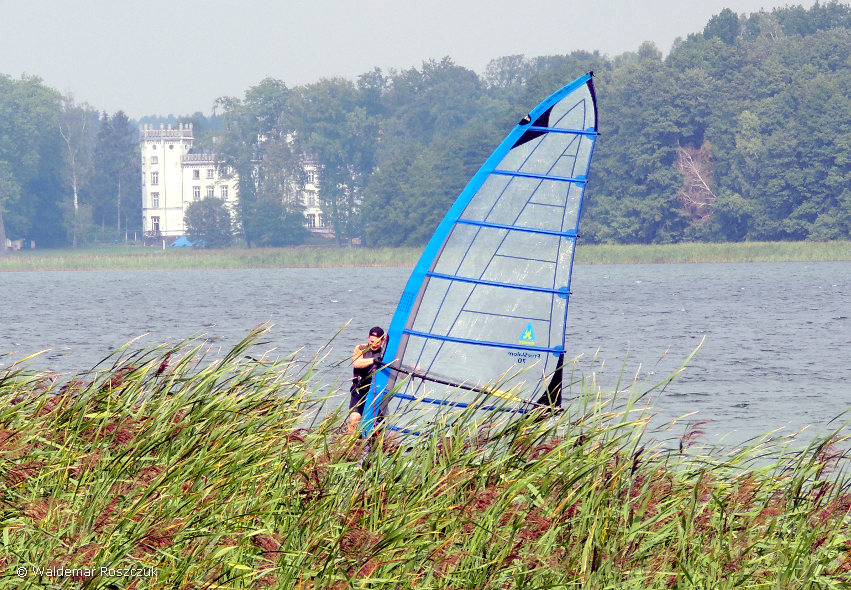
point(173, 177)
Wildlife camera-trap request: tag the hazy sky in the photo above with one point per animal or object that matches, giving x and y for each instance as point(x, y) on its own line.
point(157, 57)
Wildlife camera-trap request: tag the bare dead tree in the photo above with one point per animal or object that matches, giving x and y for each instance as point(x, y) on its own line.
point(696, 195)
point(74, 129)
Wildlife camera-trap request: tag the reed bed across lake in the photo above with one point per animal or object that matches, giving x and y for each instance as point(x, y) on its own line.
point(147, 258)
point(712, 252)
point(142, 258)
point(169, 469)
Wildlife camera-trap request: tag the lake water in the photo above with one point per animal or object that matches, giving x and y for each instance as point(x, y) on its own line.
point(776, 355)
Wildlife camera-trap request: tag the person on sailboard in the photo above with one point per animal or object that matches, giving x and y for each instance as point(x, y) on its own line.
point(366, 359)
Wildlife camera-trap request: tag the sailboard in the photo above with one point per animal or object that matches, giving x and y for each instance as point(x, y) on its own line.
point(483, 315)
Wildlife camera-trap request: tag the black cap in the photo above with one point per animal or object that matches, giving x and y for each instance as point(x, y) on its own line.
point(376, 331)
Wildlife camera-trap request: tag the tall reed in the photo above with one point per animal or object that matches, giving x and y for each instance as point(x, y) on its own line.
point(205, 472)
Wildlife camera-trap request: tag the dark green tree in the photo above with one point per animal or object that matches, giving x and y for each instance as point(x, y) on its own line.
point(725, 26)
point(276, 223)
point(258, 143)
point(209, 221)
point(406, 199)
point(31, 173)
point(116, 185)
point(334, 123)
point(10, 193)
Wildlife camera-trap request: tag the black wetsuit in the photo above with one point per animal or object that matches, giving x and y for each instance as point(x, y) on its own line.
point(362, 379)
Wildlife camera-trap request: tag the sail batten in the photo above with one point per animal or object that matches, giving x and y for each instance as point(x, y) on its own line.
point(565, 234)
point(577, 180)
point(486, 343)
point(588, 132)
point(463, 279)
point(442, 402)
point(487, 302)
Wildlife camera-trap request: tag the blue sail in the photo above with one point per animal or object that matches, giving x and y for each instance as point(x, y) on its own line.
point(485, 308)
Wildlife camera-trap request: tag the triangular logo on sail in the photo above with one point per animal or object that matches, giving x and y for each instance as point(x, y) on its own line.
point(528, 336)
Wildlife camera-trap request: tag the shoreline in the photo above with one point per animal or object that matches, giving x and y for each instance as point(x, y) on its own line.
point(142, 258)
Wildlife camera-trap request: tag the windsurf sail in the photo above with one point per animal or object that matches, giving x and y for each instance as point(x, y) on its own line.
point(482, 317)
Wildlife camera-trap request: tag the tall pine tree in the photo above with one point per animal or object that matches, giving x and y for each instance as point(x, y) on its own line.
point(116, 186)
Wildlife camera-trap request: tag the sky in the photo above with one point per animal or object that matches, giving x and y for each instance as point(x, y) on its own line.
point(161, 57)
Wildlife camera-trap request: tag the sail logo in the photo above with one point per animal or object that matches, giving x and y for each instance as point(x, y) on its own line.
point(528, 336)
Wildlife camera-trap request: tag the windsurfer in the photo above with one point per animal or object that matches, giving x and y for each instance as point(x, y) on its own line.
point(366, 358)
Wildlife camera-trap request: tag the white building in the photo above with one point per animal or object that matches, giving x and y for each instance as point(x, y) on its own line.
point(311, 202)
point(172, 178)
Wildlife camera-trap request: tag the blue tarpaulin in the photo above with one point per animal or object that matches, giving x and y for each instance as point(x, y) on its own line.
point(181, 242)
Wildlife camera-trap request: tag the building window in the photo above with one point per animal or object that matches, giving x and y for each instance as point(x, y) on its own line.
point(155, 178)
point(311, 176)
point(155, 200)
point(311, 220)
point(196, 175)
point(224, 193)
point(155, 160)
point(196, 193)
point(210, 173)
point(155, 224)
point(211, 191)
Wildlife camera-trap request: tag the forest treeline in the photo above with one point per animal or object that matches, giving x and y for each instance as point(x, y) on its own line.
point(742, 132)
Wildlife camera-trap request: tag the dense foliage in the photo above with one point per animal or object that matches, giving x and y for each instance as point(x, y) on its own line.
point(208, 222)
point(742, 132)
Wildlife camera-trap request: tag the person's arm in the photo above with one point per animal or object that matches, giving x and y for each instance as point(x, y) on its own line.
point(358, 360)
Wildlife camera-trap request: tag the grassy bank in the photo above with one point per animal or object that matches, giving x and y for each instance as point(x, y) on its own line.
point(200, 474)
point(139, 258)
point(726, 252)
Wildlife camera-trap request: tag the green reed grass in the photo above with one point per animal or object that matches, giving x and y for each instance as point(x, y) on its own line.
point(139, 258)
point(233, 473)
point(712, 252)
